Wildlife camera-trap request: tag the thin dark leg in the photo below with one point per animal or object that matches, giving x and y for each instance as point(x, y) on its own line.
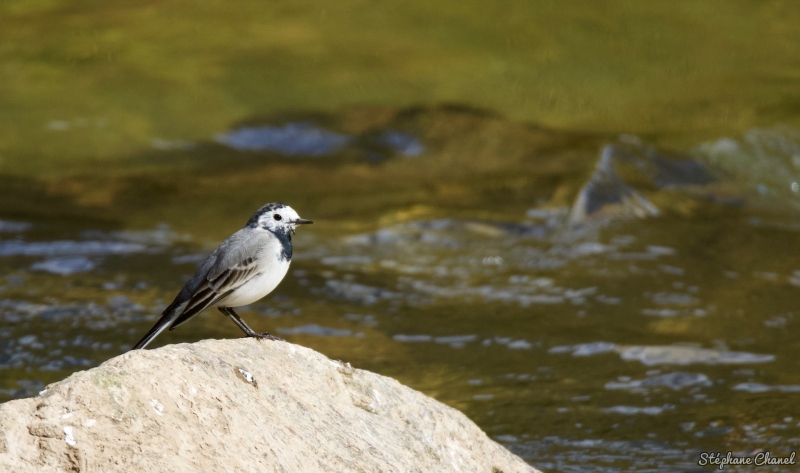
point(245, 328)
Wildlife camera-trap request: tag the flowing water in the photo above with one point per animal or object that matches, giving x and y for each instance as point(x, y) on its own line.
point(577, 224)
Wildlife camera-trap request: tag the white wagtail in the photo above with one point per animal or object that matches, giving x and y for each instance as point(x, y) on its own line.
point(243, 269)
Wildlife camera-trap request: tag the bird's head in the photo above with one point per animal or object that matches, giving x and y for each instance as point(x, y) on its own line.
point(276, 217)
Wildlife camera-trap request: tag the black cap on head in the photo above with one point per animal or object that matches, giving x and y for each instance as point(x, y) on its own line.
point(271, 207)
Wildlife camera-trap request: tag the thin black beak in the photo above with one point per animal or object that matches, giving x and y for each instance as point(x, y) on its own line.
point(302, 221)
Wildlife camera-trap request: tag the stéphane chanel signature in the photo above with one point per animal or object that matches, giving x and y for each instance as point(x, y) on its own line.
point(756, 459)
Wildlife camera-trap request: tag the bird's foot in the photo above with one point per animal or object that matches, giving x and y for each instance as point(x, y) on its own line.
point(266, 336)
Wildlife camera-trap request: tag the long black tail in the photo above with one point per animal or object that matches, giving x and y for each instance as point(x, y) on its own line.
point(163, 323)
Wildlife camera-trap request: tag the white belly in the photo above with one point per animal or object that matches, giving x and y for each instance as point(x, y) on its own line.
point(259, 286)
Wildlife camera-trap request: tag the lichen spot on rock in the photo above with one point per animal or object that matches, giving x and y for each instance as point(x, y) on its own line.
point(246, 376)
point(68, 437)
point(157, 406)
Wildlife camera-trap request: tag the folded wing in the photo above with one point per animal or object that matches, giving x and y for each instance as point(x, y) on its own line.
point(216, 287)
point(230, 266)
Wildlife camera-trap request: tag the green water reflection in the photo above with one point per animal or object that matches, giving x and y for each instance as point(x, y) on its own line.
point(94, 80)
point(424, 139)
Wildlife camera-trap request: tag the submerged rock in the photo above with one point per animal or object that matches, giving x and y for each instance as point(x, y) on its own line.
point(310, 139)
point(239, 405)
point(610, 194)
point(606, 196)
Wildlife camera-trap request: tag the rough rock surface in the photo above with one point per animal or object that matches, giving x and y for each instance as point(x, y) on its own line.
point(240, 405)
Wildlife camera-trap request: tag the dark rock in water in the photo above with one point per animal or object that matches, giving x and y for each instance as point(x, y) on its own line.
point(661, 170)
point(606, 196)
point(671, 173)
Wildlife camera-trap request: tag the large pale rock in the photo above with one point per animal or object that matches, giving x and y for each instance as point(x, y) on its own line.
point(240, 405)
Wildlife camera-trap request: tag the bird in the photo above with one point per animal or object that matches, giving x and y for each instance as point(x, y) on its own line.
point(245, 267)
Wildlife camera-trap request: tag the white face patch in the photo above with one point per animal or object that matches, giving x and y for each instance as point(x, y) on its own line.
point(278, 218)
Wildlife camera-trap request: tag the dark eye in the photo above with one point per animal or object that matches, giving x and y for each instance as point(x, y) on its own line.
point(277, 217)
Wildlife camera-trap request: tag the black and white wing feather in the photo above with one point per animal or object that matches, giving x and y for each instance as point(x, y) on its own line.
point(215, 287)
point(230, 266)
